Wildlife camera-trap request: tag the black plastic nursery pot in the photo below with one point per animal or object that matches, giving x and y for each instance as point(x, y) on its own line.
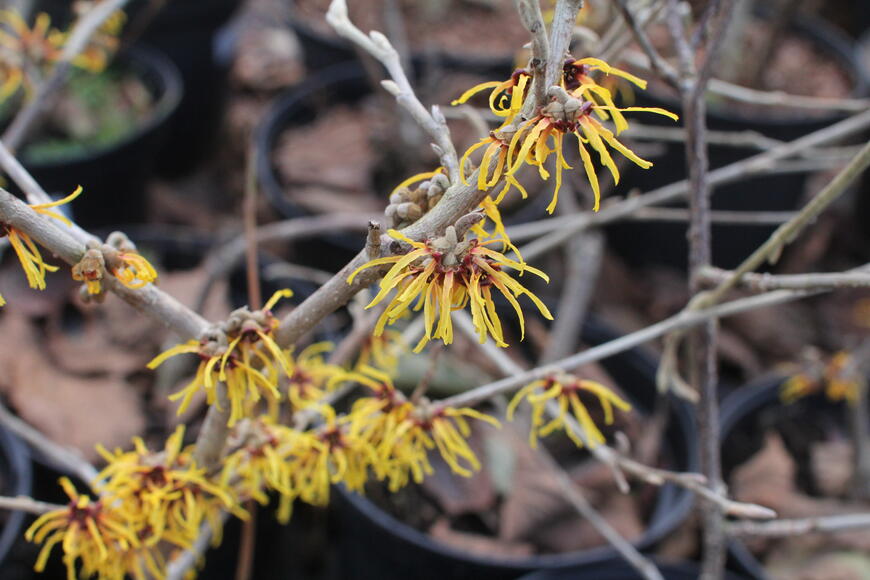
point(665, 243)
point(16, 478)
point(745, 416)
point(375, 545)
point(321, 50)
point(113, 176)
point(342, 84)
point(623, 571)
point(187, 31)
point(192, 34)
point(740, 436)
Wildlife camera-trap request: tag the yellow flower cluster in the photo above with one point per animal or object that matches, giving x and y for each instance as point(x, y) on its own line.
point(564, 390)
point(148, 500)
point(403, 433)
point(240, 352)
point(28, 51)
point(839, 378)
point(446, 274)
point(574, 104)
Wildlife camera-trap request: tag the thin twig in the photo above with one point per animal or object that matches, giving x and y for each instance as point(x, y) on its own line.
point(28, 504)
point(151, 300)
point(628, 552)
point(564, 18)
point(377, 45)
point(249, 219)
point(800, 526)
point(222, 260)
point(565, 227)
point(658, 63)
point(533, 20)
point(617, 462)
point(678, 321)
point(854, 278)
point(703, 362)
point(65, 459)
point(721, 88)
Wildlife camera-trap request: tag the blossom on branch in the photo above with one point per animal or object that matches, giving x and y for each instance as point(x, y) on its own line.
point(448, 273)
point(92, 534)
point(164, 495)
point(565, 389)
point(26, 249)
point(839, 378)
point(574, 104)
point(240, 352)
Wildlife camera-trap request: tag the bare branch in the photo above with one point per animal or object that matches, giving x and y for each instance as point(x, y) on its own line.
point(151, 300)
point(28, 504)
point(855, 278)
point(800, 526)
point(64, 458)
point(678, 321)
point(564, 18)
point(533, 20)
point(377, 45)
point(568, 226)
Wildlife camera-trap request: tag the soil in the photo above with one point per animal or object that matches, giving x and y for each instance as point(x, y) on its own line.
point(93, 112)
point(481, 29)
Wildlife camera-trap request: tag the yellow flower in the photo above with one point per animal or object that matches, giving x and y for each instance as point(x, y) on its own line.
point(102, 45)
point(506, 98)
point(446, 274)
point(163, 495)
point(382, 351)
point(28, 253)
point(26, 50)
point(426, 428)
point(569, 115)
point(262, 462)
point(565, 390)
point(90, 270)
point(90, 532)
point(131, 269)
point(798, 386)
point(519, 142)
point(335, 452)
point(230, 353)
point(498, 148)
point(29, 256)
point(839, 377)
point(311, 377)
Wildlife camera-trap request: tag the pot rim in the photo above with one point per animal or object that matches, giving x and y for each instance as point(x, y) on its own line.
point(17, 456)
point(166, 73)
point(276, 122)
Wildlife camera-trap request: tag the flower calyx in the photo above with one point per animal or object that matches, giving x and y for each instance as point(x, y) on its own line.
point(564, 109)
point(90, 270)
